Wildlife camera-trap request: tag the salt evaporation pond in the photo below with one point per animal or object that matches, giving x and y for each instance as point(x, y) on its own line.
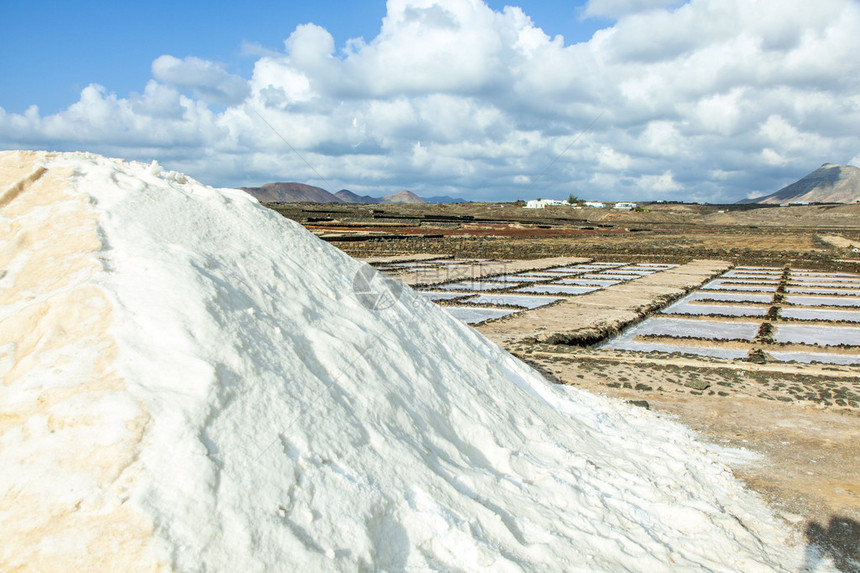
point(820, 290)
point(523, 301)
point(474, 285)
point(572, 270)
point(730, 296)
point(819, 274)
point(822, 300)
point(545, 275)
point(728, 286)
point(827, 280)
point(517, 279)
point(607, 276)
point(825, 284)
point(628, 271)
point(820, 335)
point(625, 343)
point(820, 314)
point(434, 295)
point(808, 357)
point(588, 282)
point(560, 270)
point(751, 275)
point(558, 289)
point(475, 315)
point(695, 328)
point(685, 307)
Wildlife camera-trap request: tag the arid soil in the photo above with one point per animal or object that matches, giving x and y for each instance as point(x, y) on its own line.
point(794, 428)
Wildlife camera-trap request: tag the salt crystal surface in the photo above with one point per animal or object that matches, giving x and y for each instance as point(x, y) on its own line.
point(807, 357)
point(524, 301)
point(214, 389)
point(639, 346)
point(474, 315)
point(828, 278)
point(571, 270)
point(433, 295)
point(542, 274)
point(517, 279)
point(729, 296)
point(752, 274)
point(821, 335)
point(798, 272)
point(724, 285)
point(562, 270)
point(829, 283)
point(588, 282)
point(695, 328)
point(606, 276)
point(474, 285)
point(822, 300)
point(820, 314)
point(629, 272)
point(821, 290)
point(558, 289)
point(684, 307)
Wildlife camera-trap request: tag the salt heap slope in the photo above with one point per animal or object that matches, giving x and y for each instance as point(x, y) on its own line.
point(190, 382)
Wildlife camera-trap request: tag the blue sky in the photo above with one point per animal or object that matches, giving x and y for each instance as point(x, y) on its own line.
point(712, 100)
point(114, 43)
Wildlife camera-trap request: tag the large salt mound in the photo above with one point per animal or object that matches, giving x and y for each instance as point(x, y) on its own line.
point(190, 382)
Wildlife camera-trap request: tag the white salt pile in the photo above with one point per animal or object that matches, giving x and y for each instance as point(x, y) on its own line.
point(191, 382)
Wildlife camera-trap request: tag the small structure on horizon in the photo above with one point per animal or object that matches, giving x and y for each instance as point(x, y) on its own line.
point(541, 203)
point(626, 206)
point(594, 204)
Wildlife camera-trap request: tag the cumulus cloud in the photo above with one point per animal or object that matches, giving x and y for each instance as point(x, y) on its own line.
point(706, 100)
point(209, 81)
point(619, 8)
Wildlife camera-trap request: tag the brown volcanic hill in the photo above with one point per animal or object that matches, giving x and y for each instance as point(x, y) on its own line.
point(403, 197)
point(348, 196)
point(829, 183)
point(291, 192)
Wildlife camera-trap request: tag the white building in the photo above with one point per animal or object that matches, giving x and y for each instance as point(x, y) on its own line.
point(541, 203)
point(594, 204)
point(627, 206)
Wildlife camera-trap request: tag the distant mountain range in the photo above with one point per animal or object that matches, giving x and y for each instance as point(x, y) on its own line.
point(830, 183)
point(291, 192)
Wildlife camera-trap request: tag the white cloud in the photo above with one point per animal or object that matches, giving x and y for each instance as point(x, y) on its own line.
point(619, 8)
point(659, 184)
point(711, 98)
point(209, 81)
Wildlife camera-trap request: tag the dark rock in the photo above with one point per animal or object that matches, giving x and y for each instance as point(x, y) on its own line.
point(697, 384)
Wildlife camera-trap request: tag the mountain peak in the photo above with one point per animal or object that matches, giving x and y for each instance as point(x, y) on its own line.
point(830, 183)
point(291, 192)
point(403, 196)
